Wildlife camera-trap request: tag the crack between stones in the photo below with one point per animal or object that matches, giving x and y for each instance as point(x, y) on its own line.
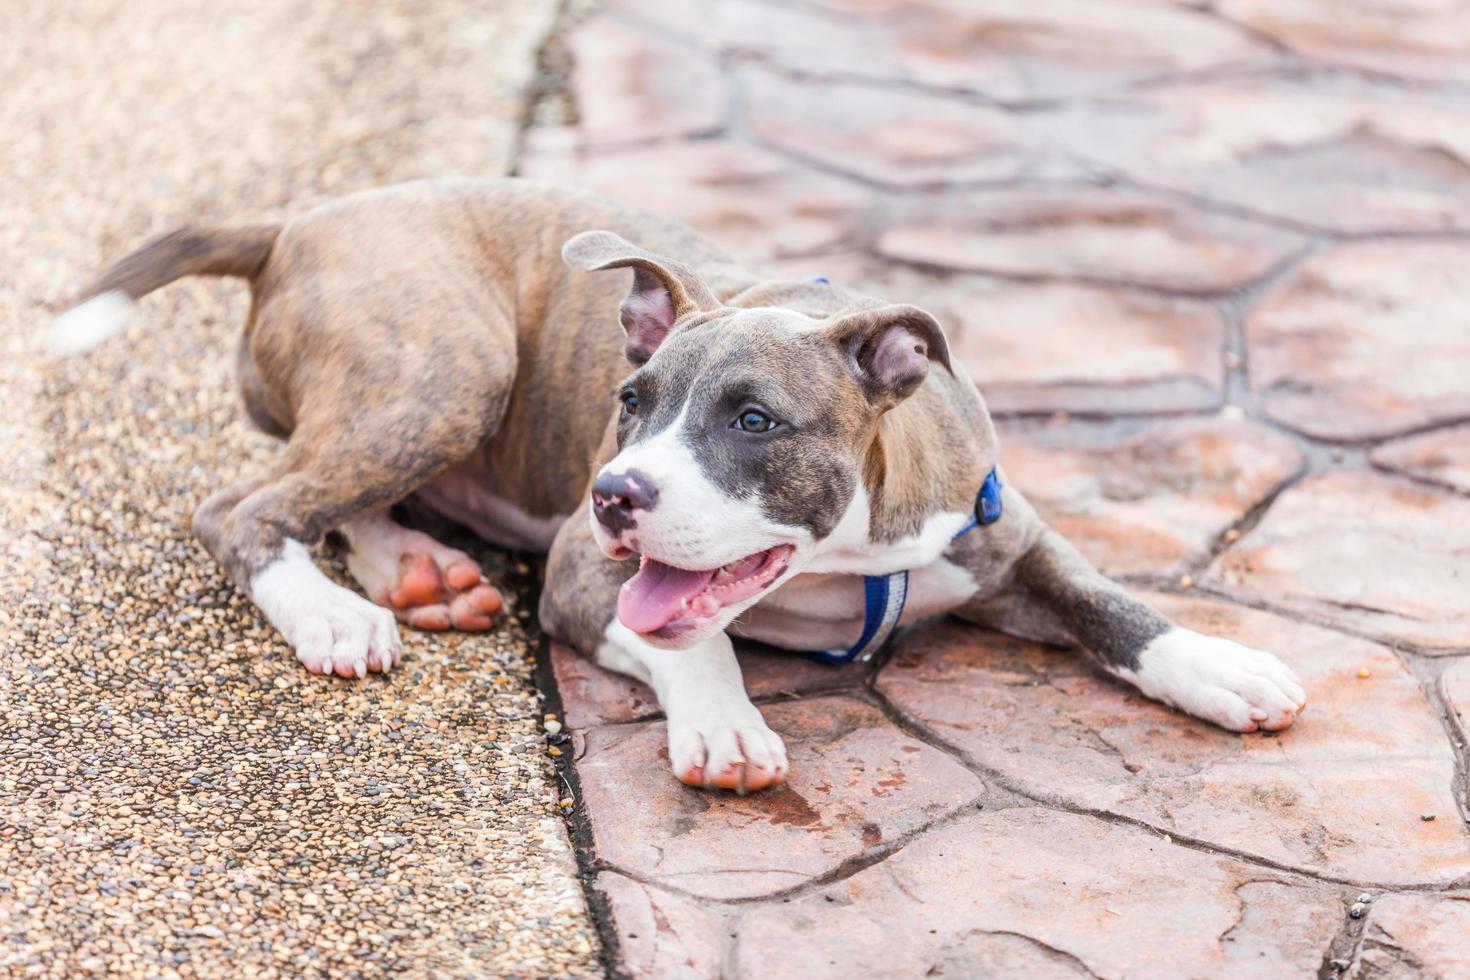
point(1243, 212)
point(991, 777)
point(839, 872)
point(1201, 294)
point(1200, 563)
point(1429, 675)
point(1345, 945)
point(1053, 953)
point(1170, 586)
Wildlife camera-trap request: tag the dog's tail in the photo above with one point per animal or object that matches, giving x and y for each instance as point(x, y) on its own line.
point(106, 305)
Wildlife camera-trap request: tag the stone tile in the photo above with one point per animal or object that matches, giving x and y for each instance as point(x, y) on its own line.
point(1414, 936)
point(591, 696)
point(1342, 157)
point(894, 136)
point(1146, 497)
point(752, 203)
point(1365, 550)
point(1035, 892)
point(1412, 40)
point(856, 783)
point(632, 84)
point(1035, 51)
point(1365, 341)
point(1095, 234)
point(1057, 347)
point(660, 934)
point(1340, 793)
point(1441, 457)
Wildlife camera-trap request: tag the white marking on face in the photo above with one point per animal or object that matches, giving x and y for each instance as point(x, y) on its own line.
point(332, 629)
point(695, 524)
point(1219, 680)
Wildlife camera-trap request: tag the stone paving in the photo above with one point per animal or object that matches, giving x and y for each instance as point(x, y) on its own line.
point(1207, 262)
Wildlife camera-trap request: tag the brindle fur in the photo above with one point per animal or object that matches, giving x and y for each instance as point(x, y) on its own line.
point(402, 333)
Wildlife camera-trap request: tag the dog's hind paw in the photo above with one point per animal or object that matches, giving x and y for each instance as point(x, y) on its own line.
point(428, 585)
point(430, 597)
point(744, 757)
point(1234, 686)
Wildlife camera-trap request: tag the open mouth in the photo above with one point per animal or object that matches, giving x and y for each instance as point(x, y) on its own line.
point(665, 602)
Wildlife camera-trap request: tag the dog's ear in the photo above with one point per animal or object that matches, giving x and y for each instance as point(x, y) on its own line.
point(663, 290)
point(889, 348)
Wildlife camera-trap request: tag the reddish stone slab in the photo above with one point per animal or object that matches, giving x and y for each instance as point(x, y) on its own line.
point(751, 202)
point(1413, 936)
point(1340, 793)
point(894, 136)
point(1146, 497)
point(1366, 341)
point(1441, 457)
point(856, 783)
point(634, 85)
point(1041, 893)
point(1408, 39)
point(1344, 158)
point(591, 696)
point(1054, 347)
point(1095, 234)
point(660, 934)
point(1060, 48)
point(1366, 550)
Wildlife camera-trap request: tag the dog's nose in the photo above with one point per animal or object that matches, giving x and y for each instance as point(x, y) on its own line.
point(617, 497)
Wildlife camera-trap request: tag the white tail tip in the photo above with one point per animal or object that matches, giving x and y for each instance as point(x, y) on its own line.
point(90, 323)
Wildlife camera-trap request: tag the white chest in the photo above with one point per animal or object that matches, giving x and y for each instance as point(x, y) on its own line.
point(826, 612)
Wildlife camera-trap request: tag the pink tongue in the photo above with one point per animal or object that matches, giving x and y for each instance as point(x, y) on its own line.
point(656, 595)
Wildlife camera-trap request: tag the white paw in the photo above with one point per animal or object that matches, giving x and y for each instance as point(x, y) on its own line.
point(738, 753)
point(332, 629)
point(1232, 685)
point(348, 637)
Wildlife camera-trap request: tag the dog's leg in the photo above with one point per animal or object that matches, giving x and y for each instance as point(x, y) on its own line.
point(716, 736)
point(428, 585)
point(334, 470)
point(1056, 595)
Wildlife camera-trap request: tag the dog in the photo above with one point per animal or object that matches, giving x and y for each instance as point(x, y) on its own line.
point(784, 460)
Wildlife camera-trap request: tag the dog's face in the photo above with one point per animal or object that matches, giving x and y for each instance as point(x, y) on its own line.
point(743, 435)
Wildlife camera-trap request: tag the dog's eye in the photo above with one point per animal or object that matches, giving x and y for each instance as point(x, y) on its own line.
point(630, 403)
point(752, 421)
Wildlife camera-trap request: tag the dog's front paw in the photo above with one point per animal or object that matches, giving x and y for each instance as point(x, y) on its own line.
point(348, 637)
point(738, 753)
point(1232, 685)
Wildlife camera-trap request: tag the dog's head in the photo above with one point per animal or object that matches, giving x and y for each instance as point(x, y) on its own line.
point(742, 438)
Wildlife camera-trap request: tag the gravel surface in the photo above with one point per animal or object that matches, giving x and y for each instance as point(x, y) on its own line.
point(178, 796)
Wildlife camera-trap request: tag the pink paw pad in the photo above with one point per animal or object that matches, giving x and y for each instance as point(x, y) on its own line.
point(430, 598)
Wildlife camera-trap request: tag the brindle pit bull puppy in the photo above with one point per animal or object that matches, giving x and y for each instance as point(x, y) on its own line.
point(776, 452)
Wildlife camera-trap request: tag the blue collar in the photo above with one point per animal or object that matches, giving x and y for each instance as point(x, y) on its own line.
point(885, 595)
